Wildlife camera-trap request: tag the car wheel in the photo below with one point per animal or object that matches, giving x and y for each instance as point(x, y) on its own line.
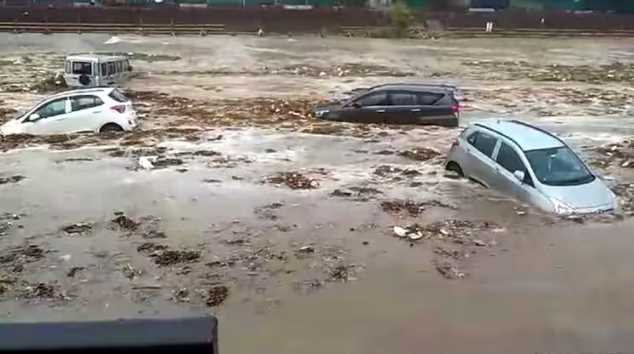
point(452, 166)
point(111, 128)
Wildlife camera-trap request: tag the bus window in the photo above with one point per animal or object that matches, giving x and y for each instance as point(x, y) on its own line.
point(104, 69)
point(127, 65)
point(110, 68)
point(119, 66)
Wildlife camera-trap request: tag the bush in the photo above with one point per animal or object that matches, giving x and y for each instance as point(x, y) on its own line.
point(401, 17)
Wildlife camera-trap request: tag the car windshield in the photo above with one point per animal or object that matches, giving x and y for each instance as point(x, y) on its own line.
point(558, 167)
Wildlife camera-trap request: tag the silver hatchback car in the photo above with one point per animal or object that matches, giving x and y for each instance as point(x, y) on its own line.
point(530, 164)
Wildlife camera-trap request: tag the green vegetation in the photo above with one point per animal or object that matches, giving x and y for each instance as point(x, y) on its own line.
point(401, 17)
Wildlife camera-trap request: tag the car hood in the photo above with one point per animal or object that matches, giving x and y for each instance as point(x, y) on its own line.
point(11, 127)
point(584, 196)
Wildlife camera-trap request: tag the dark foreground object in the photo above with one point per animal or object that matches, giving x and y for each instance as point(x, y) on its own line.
point(187, 336)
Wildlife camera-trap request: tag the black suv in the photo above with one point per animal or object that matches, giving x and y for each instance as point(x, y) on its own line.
point(409, 103)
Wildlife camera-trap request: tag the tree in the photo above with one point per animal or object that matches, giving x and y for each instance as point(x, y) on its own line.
point(401, 17)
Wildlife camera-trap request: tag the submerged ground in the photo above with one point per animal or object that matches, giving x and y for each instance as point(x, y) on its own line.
point(283, 226)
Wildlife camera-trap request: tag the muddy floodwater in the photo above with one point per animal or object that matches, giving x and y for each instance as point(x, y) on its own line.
point(305, 236)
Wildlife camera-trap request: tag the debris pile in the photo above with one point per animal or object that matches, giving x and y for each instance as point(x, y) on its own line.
point(625, 194)
point(245, 112)
point(347, 69)
point(359, 193)
point(11, 179)
point(520, 69)
point(217, 295)
point(7, 222)
point(124, 222)
point(398, 206)
point(419, 153)
point(455, 231)
point(395, 173)
point(163, 256)
point(20, 255)
point(266, 211)
point(6, 113)
point(455, 241)
point(448, 269)
point(41, 290)
point(618, 154)
point(294, 180)
point(50, 83)
point(78, 228)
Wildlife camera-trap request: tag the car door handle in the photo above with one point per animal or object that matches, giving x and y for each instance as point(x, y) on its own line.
point(415, 110)
point(380, 111)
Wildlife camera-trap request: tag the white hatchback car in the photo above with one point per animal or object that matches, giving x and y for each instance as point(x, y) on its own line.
point(97, 110)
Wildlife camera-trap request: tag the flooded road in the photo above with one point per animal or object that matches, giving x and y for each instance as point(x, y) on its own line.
point(232, 199)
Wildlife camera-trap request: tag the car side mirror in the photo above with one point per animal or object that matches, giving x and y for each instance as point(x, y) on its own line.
point(355, 105)
point(520, 175)
point(33, 117)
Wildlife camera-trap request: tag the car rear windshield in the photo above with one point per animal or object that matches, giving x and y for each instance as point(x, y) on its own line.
point(118, 96)
point(558, 167)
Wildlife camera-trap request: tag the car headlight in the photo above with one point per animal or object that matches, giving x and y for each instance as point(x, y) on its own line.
point(320, 113)
point(562, 208)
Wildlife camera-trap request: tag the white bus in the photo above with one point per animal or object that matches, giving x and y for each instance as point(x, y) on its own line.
point(92, 70)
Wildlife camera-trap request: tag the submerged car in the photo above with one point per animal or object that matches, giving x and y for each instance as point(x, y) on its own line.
point(97, 110)
point(93, 70)
point(530, 164)
point(408, 103)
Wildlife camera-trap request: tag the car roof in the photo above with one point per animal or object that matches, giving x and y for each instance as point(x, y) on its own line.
point(94, 90)
point(414, 87)
point(526, 136)
point(98, 57)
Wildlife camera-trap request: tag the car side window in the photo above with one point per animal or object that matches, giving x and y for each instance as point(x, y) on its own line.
point(376, 99)
point(511, 161)
point(429, 98)
point(472, 138)
point(402, 99)
point(78, 103)
point(485, 143)
point(53, 108)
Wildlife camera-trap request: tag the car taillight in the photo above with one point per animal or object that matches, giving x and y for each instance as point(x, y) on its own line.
point(455, 108)
point(119, 108)
point(455, 143)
